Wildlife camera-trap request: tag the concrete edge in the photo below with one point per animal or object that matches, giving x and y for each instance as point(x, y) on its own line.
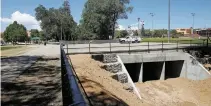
point(199, 64)
point(129, 78)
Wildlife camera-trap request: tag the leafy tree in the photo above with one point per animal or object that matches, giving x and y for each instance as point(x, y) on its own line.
point(99, 17)
point(117, 34)
point(15, 32)
point(34, 33)
point(123, 33)
point(57, 23)
point(135, 33)
point(142, 31)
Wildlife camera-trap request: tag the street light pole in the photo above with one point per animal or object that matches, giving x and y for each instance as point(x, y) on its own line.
point(169, 20)
point(152, 14)
point(138, 25)
point(193, 14)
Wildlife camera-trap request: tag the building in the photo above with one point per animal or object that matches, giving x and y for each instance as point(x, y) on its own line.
point(204, 32)
point(29, 34)
point(185, 31)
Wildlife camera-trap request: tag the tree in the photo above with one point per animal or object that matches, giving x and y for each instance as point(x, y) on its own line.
point(57, 23)
point(99, 17)
point(117, 34)
point(123, 33)
point(142, 31)
point(34, 33)
point(135, 33)
point(15, 32)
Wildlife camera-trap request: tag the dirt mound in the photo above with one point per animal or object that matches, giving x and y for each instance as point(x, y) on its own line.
point(102, 89)
point(178, 91)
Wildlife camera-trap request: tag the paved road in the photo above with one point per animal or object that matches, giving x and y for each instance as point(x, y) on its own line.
point(39, 85)
point(11, 67)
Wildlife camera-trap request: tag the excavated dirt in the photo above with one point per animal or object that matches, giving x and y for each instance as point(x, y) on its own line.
point(102, 89)
point(178, 91)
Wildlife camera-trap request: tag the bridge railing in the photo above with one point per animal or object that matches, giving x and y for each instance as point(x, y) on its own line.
point(113, 46)
point(72, 95)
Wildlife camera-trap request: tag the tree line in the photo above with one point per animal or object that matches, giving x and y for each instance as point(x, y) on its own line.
point(98, 21)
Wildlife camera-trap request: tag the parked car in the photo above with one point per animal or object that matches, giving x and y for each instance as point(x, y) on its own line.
point(131, 39)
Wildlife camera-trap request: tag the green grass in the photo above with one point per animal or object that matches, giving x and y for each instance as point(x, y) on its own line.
point(174, 40)
point(9, 47)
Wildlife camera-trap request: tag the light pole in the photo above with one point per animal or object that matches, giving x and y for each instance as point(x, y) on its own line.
point(169, 19)
point(138, 25)
point(152, 14)
point(193, 14)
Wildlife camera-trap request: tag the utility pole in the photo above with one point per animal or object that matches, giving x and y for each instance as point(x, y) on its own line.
point(193, 14)
point(152, 14)
point(169, 20)
point(138, 25)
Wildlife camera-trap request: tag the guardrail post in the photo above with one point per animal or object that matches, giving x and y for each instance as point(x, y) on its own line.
point(177, 45)
point(148, 47)
point(129, 47)
point(89, 47)
point(67, 46)
point(110, 46)
point(162, 46)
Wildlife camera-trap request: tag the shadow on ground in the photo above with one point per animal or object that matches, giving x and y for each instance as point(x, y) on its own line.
point(98, 95)
point(38, 85)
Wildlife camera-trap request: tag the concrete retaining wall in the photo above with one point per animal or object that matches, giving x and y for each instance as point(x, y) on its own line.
point(166, 65)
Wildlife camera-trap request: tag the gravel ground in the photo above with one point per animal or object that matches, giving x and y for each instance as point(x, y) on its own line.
point(39, 85)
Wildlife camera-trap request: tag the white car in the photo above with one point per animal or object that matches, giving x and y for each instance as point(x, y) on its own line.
point(131, 39)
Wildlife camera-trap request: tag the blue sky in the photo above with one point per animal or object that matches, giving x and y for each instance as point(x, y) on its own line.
point(180, 12)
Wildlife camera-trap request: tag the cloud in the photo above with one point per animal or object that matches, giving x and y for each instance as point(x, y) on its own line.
point(23, 18)
point(120, 27)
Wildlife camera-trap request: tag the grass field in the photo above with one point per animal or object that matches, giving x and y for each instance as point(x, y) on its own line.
point(9, 47)
point(180, 40)
point(13, 50)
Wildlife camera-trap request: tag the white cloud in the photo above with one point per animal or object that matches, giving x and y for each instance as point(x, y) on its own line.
point(23, 18)
point(120, 27)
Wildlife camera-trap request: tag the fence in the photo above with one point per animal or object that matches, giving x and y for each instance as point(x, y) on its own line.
point(71, 93)
point(111, 46)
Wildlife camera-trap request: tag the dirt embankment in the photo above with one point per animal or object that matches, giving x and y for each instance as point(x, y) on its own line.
point(102, 89)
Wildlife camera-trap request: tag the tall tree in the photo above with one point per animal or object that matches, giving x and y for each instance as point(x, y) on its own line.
point(15, 32)
point(66, 7)
point(100, 16)
point(57, 23)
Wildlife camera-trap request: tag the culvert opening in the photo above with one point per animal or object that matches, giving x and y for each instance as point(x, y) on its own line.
point(133, 70)
point(173, 68)
point(152, 71)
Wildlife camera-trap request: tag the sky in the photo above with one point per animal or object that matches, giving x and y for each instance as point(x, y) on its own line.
point(23, 12)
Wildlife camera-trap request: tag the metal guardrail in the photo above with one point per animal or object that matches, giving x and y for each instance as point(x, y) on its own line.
point(108, 47)
point(71, 93)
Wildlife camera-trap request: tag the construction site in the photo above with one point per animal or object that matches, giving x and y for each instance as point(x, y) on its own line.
point(144, 79)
